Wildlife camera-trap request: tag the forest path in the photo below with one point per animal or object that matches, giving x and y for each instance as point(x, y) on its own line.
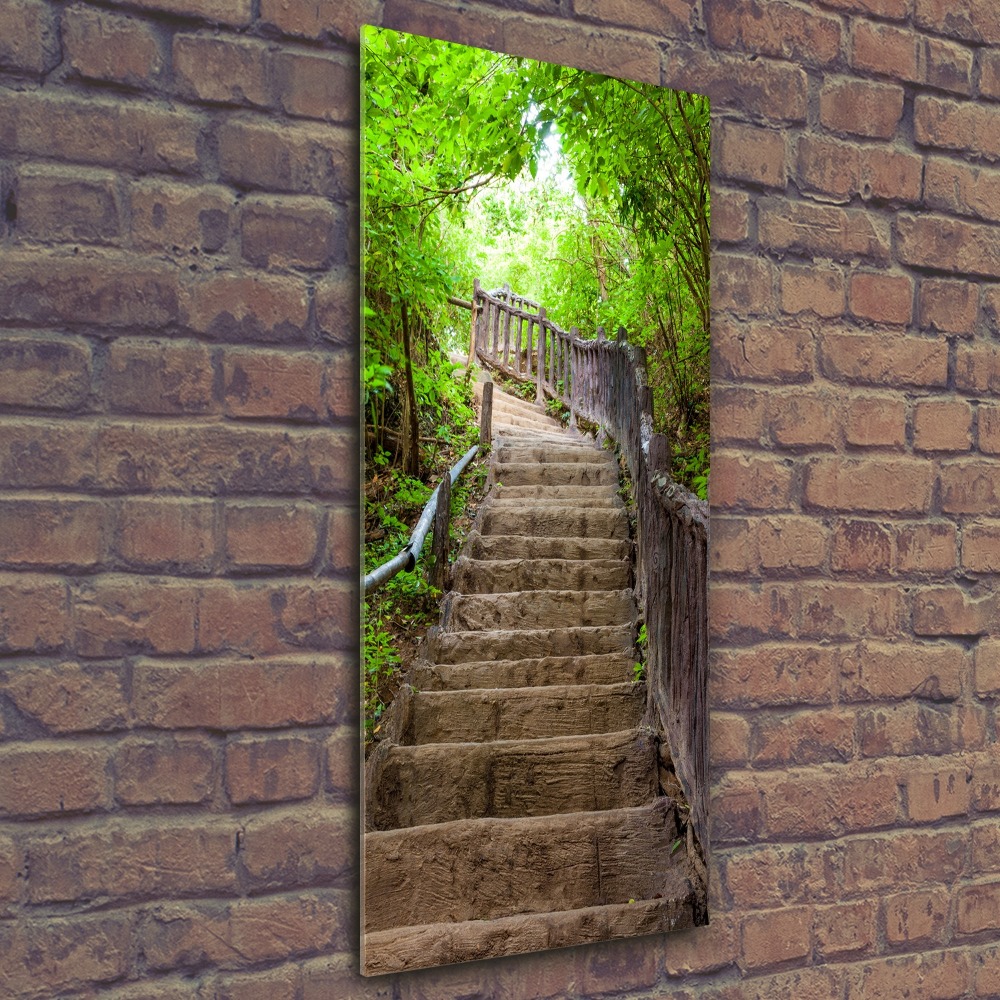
point(519, 802)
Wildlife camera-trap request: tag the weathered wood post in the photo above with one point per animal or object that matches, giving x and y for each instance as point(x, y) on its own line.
point(540, 373)
point(438, 575)
point(486, 418)
point(571, 375)
point(659, 453)
point(472, 332)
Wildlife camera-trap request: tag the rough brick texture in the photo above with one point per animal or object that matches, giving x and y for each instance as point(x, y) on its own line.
point(178, 693)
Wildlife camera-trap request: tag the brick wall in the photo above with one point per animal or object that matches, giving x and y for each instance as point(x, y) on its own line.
point(178, 291)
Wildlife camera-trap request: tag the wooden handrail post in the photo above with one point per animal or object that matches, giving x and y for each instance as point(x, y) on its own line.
point(540, 372)
point(439, 544)
point(486, 418)
point(472, 332)
point(569, 383)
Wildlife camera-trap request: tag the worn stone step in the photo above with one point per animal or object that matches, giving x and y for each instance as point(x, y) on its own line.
point(482, 715)
point(479, 546)
point(413, 785)
point(502, 419)
point(561, 453)
point(537, 609)
point(602, 668)
point(484, 869)
point(555, 474)
point(580, 496)
point(554, 521)
point(472, 647)
point(430, 945)
point(490, 576)
point(608, 500)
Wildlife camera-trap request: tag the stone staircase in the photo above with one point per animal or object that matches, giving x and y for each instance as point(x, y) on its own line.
point(518, 802)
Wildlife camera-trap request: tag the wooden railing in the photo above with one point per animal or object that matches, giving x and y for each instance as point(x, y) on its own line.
point(604, 381)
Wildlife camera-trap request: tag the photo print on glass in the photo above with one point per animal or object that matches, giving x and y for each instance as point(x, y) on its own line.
point(535, 428)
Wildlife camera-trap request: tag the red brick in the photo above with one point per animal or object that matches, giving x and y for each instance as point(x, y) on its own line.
point(67, 533)
point(962, 189)
point(273, 384)
point(730, 216)
point(957, 125)
point(742, 285)
point(926, 548)
point(948, 306)
point(895, 485)
point(875, 864)
point(770, 89)
point(907, 730)
point(981, 547)
point(236, 13)
point(282, 983)
point(93, 287)
point(950, 611)
point(942, 425)
point(740, 613)
point(295, 847)
point(991, 309)
point(248, 307)
point(979, 908)
point(917, 918)
point(165, 859)
point(54, 204)
point(857, 107)
point(773, 875)
point(972, 20)
point(736, 815)
point(787, 543)
point(822, 230)
point(876, 671)
point(341, 755)
point(807, 737)
point(730, 739)
point(844, 928)
point(989, 429)
point(700, 949)
point(886, 50)
point(977, 369)
point(863, 547)
point(315, 86)
point(34, 613)
point(932, 795)
point(29, 38)
point(635, 57)
point(774, 29)
point(755, 155)
point(342, 534)
point(180, 218)
point(754, 483)
point(896, 10)
point(985, 783)
point(776, 936)
point(805, 420)
point(970, 487)
point(338, 977)
point(948, 66)
point(986, 965)
point(159, 377)
point(989, 73)
point(884, 359)
point(891, 174)
point(987, 668)
point(164, 772)
point(336, 313)
point(50, 780)
point(69, 697)
point(881, 298)
point(322, 18)
point(941, 975)
point(739, 415)
point(875, 421)
point(769, 675)
point(222, 70)
point(119, 134)
point(244, 932)
point(846, 610)
point(45, 371)
point(826, 983)
point(117, 615)
point(162, 534)
point(103, 46)
point(812, 289)
point(234, 694)
point(301, 158)
point(272, 535)
point(830, 167)
point(628, 964)
point(274, 770)
point(283, 232)
point(762, 351)
point(340, 387)
point(53, 954)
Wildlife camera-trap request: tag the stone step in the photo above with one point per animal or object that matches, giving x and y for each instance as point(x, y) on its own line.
point(537, 609)
point(483, 715)
point(533, 454)
point(425, 945)
point(608, 500)
point(502, 419)
point(554, 522)
point(491, 576)
point(580, 496)
point(485, 869)
point(555, 474)
point(454, 647)
point(479, 546)
point(603, 668)
point(412, 785)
